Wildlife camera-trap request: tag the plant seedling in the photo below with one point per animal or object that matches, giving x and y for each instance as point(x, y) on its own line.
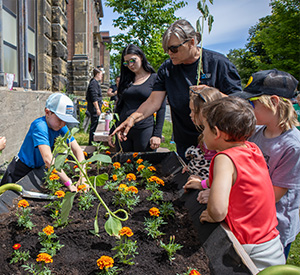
point(171, 248)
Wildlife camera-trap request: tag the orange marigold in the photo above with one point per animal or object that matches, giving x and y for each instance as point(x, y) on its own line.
point(60, 194)
point(139, 161)
point(48, 230)
point(81, 187)
point(152, 178)
point(23, 203)
point(105, 262)
point(160, 181)
point(131, 177)
point(54, 171)
point(132, 189)
point(122, 186)
point(115, 177)
point(154, 211)
point(117, 165)
point(85, 153)
point(16, 246)
point(126, 231)
point(128, 161)
point(75, 166)
point(152, 168)
point(66, 160)
point(44, 257)
point(140, 167)
point(107, 153)
point(194, 272)
point(135, 155)
point(54, 177)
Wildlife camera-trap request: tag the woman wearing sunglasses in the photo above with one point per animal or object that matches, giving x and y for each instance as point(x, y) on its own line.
point(136, 81)
point(175, 76)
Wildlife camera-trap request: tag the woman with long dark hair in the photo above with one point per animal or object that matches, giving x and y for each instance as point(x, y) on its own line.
point(136, 81)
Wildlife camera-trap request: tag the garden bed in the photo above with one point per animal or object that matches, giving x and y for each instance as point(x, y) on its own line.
point(210, 252)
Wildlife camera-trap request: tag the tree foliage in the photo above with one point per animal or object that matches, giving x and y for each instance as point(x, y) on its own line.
point(142, 23)
point(274, 42)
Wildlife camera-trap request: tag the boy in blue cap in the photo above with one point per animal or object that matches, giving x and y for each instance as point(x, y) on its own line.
point(36, 149)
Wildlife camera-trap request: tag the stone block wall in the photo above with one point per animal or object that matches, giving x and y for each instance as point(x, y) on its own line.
point(18, 109)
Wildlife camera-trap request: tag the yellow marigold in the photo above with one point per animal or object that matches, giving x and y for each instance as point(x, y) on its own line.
point(44, 257)
point(105, 262)
point(140, 167)
point(122, 186)
point(126, 231)
point(23, 203)
point(194, 272)
point(48, 230)
point(152, 178)
point(85, 153)
point(152, 168)
point(139, 161)
point(54, 171)
point(131, 177)
point(132, 189)
point(115, 177)
point(81, 187)
point(60, 194)
point(117, 165)
point(160, 181)
point(135, 155)
point(154, 211)
point(54, 177)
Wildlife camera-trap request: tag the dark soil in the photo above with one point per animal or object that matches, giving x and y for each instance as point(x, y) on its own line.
point(82, 249)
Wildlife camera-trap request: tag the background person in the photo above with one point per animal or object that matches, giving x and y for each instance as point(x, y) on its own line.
point(136, 83)
point(175, 76)
point(112, 92)
point(2, 143)
point(35, 151)
point(94, 100)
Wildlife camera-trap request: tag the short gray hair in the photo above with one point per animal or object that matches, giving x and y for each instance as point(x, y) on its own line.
point(183, 30)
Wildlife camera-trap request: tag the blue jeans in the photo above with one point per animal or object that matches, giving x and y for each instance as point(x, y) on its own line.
point(287, 250)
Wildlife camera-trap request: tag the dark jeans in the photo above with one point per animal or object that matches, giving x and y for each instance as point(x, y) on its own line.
point(287, 250)
point(15, 171)
point(94, 124)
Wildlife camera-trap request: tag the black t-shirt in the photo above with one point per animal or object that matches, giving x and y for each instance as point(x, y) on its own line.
point(93, 94)
point(114, 88)
point(219, 72)
point(133, 97)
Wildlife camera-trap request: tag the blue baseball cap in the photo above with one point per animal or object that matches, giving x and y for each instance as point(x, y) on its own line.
point(62, 106)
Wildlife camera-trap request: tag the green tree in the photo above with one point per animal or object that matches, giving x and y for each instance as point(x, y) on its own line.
point(142, 23)
point(274, 42)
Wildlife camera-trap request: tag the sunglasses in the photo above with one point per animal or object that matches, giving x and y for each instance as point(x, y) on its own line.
point(250, 100)
point(198, 93)
point(129, 62)
point(174, 49)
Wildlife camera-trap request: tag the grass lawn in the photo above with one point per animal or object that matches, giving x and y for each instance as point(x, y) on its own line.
point(294, 256)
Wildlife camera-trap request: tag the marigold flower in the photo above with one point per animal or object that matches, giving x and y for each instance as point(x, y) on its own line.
point(128, 161)
point(54, 171)
point(85, 153)
point(194, 272)
point(154, 114)
point(135, 155)
point(108, 153)
point(44, 257)
point(152, 178)
point(48, 230)
point(126, 231)
point(16, 246)
point(117, 165)
point(140, 167)
point(23, 203)
point(132, 189)
point(122, 186)
point(75, 166)
point(160, 181)
point(130, 177)
point(139, 161)
point(154, 211)
point(66, 160)
point(54, 177)
point(152, 168)
point(81, 187)
point(115, 177)
point(60, 194)
point(105, 262)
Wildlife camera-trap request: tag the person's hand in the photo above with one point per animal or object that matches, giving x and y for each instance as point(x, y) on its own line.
point(110, 141)
point(205, 217)
point(98, 112)
point(123, 129)
point(72, 188)
point(155, 142)
point(82, 181)
point(193, 182)
point(185, 169)
point(203, 196)
point(2, 143)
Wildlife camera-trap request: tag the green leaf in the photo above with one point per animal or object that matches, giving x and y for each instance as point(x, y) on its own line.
point(59, 162)
point(100, 179)
point(74, 131)
point(200, 8)
point(101, 158)
point(96, 226)
point(66, 206)
point(113, 226)
point(198, 26)
point(210, 22)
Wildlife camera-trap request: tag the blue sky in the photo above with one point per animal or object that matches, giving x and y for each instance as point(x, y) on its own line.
point(233, 18)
